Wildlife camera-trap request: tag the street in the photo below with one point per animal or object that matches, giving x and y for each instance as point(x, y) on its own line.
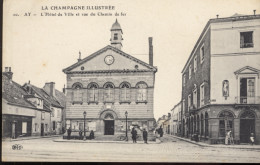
point(170, 150)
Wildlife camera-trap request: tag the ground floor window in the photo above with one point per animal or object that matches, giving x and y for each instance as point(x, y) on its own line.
point(225, 123)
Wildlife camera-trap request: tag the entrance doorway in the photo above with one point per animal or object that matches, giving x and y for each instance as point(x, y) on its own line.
point(247, 126)
point(42, 129)
point(109, 127)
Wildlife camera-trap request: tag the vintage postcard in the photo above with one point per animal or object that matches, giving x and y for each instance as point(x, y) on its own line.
point(131, 81)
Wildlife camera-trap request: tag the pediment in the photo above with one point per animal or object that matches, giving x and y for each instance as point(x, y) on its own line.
point(247, 70)
point(121, 62)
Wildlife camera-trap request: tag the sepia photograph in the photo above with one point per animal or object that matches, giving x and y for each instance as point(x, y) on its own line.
point(131, 81)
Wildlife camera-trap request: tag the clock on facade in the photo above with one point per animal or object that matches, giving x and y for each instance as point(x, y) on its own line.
point(109, 59)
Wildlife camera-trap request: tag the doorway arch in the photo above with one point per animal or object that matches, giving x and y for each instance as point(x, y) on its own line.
point(247, 125)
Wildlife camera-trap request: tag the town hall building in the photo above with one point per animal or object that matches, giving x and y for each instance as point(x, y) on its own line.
point(110, 86)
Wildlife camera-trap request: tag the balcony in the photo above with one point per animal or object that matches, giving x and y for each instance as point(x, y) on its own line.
point(246, 45)
point(248, 100)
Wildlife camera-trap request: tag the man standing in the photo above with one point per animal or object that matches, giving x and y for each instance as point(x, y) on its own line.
point(69, 133)
point(134, 134)
point(160, 131)
point(145, 134)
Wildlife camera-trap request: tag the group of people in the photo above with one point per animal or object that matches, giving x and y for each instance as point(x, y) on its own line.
point(230, 140)
point(134, 135)
point(91, 134)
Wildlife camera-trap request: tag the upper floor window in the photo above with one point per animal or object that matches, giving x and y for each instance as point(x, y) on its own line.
point(189, 102)
point(115, 36)
point(124, 92)
point(109, 92)
point(195, 98)
point(246, 39)
point(43, 115)
point(93, 92)
point(190, 71)
point(77, 92)
point(141, 92)
point(52, 112)
point(195, 63)
point(183, 106)
point(247, 90)
point(184, 79)
point(202, 93)
point(58, 113)
point(202, 54)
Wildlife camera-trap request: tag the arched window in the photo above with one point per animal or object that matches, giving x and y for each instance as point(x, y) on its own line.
point(225, 123)
point(93, 92)
point(141, 92)
point(77, 93)
point(125, 92)
point(202, 125)
point(206, 124)
point(109, 92)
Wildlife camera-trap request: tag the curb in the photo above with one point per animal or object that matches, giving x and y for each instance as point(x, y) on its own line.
point(92, 141)
point(32, 138)
point(214, 146)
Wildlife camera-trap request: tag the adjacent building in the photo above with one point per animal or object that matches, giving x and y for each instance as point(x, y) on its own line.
point(176, 118)
point(221, 81)
point(110, 85)
point(53, 100)
point(23, 114)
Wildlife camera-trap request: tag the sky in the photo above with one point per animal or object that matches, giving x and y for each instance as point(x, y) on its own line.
point(37, 47)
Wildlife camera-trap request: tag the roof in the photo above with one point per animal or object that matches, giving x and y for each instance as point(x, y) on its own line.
point(116, 26)
point(235, 17)
point(68, 69)
point(61, 98)
point(14, 93)
point(46, 97)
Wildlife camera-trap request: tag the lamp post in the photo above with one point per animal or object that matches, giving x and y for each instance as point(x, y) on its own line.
point(126, 113)
point(84, 114)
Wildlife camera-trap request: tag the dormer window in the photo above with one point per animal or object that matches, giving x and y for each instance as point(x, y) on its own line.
point(246, 39)
point(115, 36)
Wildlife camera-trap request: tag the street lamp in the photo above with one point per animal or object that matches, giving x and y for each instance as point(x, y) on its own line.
point(126, 126)
point(84, 114)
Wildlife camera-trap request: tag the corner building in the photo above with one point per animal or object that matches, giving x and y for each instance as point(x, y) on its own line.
point(220, 87)
point(108, 83)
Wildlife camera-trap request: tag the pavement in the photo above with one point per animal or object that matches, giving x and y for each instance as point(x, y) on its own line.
point(171, 149)
point(30, 138)
point(240, 146)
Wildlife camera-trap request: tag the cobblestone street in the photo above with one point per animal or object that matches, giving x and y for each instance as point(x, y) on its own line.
point(169, 150)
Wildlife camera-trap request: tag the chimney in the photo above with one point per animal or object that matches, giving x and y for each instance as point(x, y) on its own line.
point(79, 59)
point(217, 15)
point(8, 72)
point(64, 89)
point(254, 12)
point(50, 88)
point(150, 50)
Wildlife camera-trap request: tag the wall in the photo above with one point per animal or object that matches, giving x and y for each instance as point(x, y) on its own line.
point(227, 57)
point(201, 75)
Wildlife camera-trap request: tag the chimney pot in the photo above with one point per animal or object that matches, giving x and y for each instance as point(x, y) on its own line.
point(217, 15)
point(254, 12)
point(6, 69)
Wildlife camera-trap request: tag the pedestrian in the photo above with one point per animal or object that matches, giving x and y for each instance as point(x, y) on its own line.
point(231, 139)
point(134, 134)
point(63, 130)
point(145, 135)
point(91, 135)
point(252, 139)
point(69, 133)
point(196, 136)
point(80, 134)
point(160, 131)
point(226, 138)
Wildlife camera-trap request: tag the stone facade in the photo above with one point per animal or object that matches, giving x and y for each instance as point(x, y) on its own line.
point(106, 89)
point(230, 99)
